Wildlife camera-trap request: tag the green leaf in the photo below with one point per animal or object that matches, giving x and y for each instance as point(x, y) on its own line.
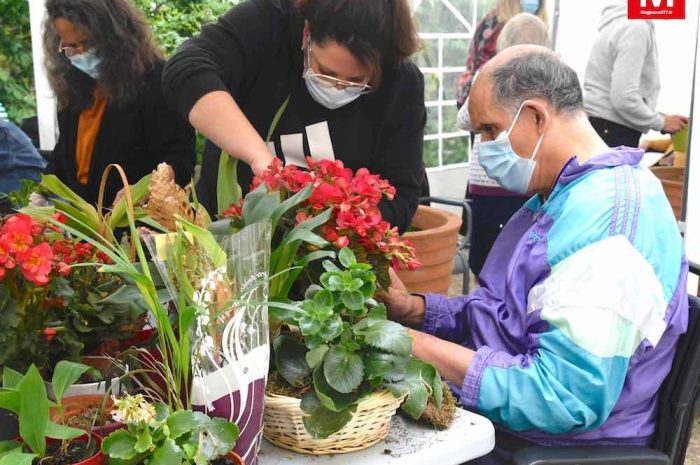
point(315, 357)
point(290, 203)
point(9, 400)
point(314, 256)
point(329, 266)
point(144, 441)
point(168, 453)
point(228, 191)
point(10, 311)
point(290, 360)
point(206, 241)
point(329, 397)
point(9, 446)
point(321, 421)
point(354, 300)
point(120, 445)
point(324, 298)
point(377, 313)
point(414, 385)
point(117, 218)
point(385, 335)
point(185, 421)
point(343, 370)
point(62, 432)
point(260, 205)
point(18, 459)
point(10, 378)
point(216, 439)
point(347, 257)
point(33, 411)
point(55, 186)
point(65, 374)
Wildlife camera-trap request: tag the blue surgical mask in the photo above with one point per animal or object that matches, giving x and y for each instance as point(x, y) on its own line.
point(330, 97)
point(503, 165)
point(88, 62)
point(530, 6)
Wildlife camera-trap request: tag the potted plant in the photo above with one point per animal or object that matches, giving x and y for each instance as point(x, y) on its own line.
point(52, 443)
point(434, 234)
point(90, 412)
point(353, 366)
point(156, 435)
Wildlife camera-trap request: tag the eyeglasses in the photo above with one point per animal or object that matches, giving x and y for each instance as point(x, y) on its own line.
point(330, 81)
point(72, 51)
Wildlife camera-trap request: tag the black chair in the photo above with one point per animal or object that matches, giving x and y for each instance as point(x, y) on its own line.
point(673, 424)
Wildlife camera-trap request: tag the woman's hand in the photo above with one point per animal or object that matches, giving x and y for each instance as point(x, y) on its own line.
point(402, 306)
point(261, 163)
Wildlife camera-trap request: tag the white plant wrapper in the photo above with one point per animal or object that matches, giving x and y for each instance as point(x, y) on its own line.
point(230, 351)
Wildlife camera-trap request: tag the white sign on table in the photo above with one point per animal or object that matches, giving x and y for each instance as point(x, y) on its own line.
point(470, 436)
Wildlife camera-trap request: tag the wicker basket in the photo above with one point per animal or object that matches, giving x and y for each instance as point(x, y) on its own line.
point(284, 425)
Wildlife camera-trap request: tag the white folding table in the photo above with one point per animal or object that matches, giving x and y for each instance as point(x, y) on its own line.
point(470, 436)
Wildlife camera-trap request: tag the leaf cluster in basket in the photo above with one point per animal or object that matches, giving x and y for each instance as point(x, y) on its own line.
point(156, 435)
point(346, 348)
point(25, 396)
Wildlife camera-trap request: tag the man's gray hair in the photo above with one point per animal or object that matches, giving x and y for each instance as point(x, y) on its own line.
point(523, 28)
point(537, 74)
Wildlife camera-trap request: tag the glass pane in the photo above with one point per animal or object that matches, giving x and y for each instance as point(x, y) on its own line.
point(455, 52)
point(449, 118)
point(432, 87)
point(449, 81)
point(434, 16)
point(455, 150)
point(430, 153)
point(428, 56)
point(432, 125)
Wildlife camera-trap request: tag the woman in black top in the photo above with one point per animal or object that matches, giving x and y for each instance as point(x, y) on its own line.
point(338, 73)
point(106, 72)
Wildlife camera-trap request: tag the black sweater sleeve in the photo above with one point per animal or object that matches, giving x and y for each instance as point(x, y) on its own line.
point(223, 56)
point(171, 138)
point(400, 153)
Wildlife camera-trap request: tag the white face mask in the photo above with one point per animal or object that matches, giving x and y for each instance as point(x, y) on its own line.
point(330, 97)
point(88, 62)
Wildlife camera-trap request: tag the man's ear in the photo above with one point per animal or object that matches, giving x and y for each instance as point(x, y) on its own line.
point(542, 116)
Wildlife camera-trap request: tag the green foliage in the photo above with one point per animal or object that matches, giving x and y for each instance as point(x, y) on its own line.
point(25, 396)
point(180, 437)
point(16, 76)
point(174, 21)
point(351, 349)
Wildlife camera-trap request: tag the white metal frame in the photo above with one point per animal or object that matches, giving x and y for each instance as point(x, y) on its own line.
point(440, 71)
point(45, 100)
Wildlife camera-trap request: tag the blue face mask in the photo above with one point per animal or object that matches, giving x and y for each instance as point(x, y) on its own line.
point(503, 165)
point(87, 62)
point(530, 6)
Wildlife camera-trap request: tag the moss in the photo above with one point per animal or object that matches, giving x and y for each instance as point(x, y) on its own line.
point(442, 417)
point(277, 385)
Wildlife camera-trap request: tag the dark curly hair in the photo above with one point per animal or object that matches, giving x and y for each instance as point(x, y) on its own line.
point(377, 32)
point(122, 39)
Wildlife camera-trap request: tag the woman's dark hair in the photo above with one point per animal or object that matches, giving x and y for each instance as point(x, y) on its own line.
point(377, 32)
point(122, 39)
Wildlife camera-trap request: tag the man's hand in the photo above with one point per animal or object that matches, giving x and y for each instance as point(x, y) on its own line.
point(402, 306)
point(674, 123)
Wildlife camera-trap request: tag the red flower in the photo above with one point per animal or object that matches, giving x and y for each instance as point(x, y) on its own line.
point(64, 269)
point(60, 217)
point(234, 211)
point(49, 333)
point(342, 242)
point(36, 263)
point(6, 260)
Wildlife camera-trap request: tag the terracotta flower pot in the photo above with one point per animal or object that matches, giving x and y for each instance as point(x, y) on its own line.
point(235, 458)
point(673, 182)
point(435, 240)
point(74, 407)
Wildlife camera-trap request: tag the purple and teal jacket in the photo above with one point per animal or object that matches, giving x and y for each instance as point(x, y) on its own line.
point(581, 304)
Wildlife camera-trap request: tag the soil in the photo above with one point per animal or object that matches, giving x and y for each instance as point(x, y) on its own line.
point(277, 385)
point(84, 420)
point(442, 417)
point(73, 452)
point(222, 461)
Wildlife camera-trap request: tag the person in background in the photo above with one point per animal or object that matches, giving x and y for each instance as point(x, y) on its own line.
point(622, 80)
point(19, 159)
point(289, 78)
point(492, 206)
point(584, 294)
point(483, 46)
point(105, 70)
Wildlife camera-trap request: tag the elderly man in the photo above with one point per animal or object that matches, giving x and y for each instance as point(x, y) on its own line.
point(582, 297)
